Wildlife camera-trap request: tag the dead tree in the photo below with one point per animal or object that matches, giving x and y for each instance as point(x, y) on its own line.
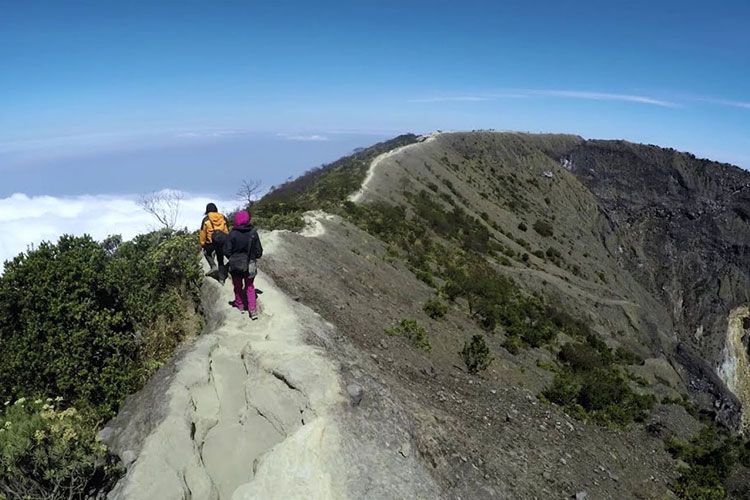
point(163, 205)
point(249, 191)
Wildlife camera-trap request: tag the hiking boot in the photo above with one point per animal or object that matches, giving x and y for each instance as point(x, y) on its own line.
point(253, 315)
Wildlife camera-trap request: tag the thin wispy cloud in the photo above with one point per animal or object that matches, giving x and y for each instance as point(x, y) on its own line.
point(206, 134)
point(724, 102)
point(603, 96)
point(306, 138)
point(563, 94)
point(460, 98)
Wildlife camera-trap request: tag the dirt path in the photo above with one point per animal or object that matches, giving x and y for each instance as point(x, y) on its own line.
point(259, 409)
point(357, 196)
point(248, 409)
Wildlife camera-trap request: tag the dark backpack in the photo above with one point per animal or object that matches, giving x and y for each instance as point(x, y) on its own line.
point(239, 261)
point(218, 238)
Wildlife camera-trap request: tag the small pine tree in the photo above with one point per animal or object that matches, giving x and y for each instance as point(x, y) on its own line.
point(476, 354)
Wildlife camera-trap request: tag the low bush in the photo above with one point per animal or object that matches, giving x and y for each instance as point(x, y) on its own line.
point(476, 354)
point(50, 453)
point(684, 401)
point(602, 396)
point(710, 458)
point(523, 227)
point(553, 253)
point(543, 228)
point(415, 334)
point(435, 309)
point(627, 357)
point(592, 386)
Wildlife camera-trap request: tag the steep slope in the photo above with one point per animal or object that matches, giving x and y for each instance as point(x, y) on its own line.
point(578, 225)
point(653, 239)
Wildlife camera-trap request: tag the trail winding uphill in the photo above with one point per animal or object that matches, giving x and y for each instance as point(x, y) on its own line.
point(255, 410)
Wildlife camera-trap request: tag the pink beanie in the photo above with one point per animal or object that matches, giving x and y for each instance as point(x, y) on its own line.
point(241, 218)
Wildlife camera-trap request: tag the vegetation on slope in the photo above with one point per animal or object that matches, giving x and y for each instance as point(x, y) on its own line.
point(708, 460)
point(84, 325)
point(324, 187)
point(457, 254)
point(592, 385)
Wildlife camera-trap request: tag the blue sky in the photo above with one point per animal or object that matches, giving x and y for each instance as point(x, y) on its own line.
point(125, 97)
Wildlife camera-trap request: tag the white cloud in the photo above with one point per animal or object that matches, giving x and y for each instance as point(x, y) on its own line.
point(295, 137)
point(29, 220)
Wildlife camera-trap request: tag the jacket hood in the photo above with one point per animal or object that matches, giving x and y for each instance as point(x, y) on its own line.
point(216, 218)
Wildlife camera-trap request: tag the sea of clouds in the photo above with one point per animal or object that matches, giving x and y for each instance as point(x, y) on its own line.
point(26, 221)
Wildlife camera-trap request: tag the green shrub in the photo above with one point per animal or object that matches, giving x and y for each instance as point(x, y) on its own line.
point(600, 395)
point(290, 222)
point(684, 401)
point(563, 391)
point(476, 354)
point(523, 227)
point(581, 357)
point(553, 253)
point(710, 458)
point(435, 309)
point(628, 357)
point(538, 253)
point(591, 385)
point(65, 328)
point(414, 333)
point(512, 345)
point(49, 453)
point(543, 228)
point(90, 322)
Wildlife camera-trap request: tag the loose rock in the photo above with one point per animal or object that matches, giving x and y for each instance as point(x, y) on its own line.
point(355, 393)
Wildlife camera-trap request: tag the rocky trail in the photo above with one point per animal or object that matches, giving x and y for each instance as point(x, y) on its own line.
point(253, 409)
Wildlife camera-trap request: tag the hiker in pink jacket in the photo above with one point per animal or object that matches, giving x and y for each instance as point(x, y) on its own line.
point(242, 249)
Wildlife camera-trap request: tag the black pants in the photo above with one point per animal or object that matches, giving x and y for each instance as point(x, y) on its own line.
point(209, 249)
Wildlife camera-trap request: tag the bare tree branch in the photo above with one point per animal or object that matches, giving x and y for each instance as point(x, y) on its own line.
point(163, 205)
point(249, 191)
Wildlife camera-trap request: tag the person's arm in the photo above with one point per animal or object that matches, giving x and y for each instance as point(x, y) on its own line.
point(229, 245)
point(203, 234)
point(258, 251)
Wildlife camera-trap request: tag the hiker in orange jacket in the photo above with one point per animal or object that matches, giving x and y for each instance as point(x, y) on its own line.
point(212, 237)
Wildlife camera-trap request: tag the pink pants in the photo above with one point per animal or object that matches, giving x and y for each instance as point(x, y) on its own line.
point(244, 286)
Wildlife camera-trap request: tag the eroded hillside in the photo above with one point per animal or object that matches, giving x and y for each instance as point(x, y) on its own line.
point(586, 267)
